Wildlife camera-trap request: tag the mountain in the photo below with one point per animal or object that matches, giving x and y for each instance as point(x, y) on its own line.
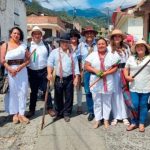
point(87, 13)
point(88, 17)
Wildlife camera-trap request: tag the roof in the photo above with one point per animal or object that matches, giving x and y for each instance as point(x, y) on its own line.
point(45, 20)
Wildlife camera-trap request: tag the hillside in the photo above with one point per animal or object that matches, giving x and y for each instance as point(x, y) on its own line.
point(91, 17)
point(88, 13)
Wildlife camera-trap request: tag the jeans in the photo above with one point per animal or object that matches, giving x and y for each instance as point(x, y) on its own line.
point(140, 103)
point(89, 99)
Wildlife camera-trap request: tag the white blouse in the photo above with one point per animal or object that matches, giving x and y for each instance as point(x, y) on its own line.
point(93, 59)
point(141, 83)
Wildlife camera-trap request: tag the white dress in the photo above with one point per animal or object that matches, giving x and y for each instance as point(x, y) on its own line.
point(15, 99)
point(119, 108)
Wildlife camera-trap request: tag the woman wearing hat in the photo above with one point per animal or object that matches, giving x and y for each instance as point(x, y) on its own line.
point(74, 42)
point(121, 52)
point(140, 85)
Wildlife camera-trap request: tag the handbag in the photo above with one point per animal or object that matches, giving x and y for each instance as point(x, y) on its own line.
point(4, 84)
point(3, 78)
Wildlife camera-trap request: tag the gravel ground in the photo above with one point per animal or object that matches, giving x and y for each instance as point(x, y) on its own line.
point(25, 137)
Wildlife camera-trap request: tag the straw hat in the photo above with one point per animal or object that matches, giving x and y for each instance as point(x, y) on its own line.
point(89, 29)
point(140, 42)
point(36, 28)
point(117, 32)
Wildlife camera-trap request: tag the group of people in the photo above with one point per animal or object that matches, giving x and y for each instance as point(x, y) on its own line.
point(95, 64)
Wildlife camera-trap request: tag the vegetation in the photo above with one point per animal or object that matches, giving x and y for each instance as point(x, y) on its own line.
point(97, 22)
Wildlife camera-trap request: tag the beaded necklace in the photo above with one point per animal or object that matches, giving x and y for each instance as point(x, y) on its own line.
point(139, 60)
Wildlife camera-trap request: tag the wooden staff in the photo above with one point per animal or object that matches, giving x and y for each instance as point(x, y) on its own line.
point(140, 69)
point(45, 104)
point(126, 85)
point(115, 65)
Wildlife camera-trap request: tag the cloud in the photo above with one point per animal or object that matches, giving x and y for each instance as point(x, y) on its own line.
point(64, 4)
point(116, 3)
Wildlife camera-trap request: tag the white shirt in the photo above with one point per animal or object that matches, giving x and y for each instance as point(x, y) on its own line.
point(93, 59)
point(39, 57)
point(141, 83)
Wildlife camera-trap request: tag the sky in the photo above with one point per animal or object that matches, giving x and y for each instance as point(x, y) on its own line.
point(83, 4)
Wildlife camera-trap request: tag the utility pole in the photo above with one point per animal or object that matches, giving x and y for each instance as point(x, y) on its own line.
point(74, 13)
point(74, 17)
point(108, 23)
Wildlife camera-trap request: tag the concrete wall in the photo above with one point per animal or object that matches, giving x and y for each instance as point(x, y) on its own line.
point(124, 26)
point(135, 27)
point(12, 13)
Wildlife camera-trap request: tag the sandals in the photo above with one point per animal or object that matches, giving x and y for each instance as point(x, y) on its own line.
point(96, 124)
point(106, 124)
point(131, 127)
point(126, 122)
point(15, 119)
point(23, 119)
point(141, 128)
point(114, 122)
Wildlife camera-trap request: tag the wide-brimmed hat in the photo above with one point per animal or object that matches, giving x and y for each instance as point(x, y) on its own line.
point(140, 42)
point(89, 29)
point(117, 32)
point(36, 28)
point(74, 33)
point(64, 37)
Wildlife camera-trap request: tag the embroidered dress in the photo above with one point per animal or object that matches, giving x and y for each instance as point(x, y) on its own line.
point(118, 105)
point(101, 93)
point(15, 99)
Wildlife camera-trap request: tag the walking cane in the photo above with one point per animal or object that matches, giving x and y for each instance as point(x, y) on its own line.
point(45, 104)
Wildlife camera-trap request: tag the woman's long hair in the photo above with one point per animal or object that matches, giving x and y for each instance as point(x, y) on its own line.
point(123, 46)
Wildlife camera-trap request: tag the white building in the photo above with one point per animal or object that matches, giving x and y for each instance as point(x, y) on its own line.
point(134, 20)
point(12, 13)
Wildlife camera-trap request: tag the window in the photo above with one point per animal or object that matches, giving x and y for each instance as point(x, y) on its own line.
point(48, 33)
point(16, 16)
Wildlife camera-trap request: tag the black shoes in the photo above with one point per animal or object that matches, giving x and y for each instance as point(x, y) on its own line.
point(91, 117)
point(67, 118)
point(30, 114)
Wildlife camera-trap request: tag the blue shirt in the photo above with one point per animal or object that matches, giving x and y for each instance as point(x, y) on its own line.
point(67, 69)
point(83, 50)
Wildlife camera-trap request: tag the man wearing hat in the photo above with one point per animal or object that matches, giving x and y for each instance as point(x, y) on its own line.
point(85, 48)
point(67, 71)
point(37, 70)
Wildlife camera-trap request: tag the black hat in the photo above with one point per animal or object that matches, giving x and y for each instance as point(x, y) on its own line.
point(1, 42)
point(65, 37)
point(74, 33)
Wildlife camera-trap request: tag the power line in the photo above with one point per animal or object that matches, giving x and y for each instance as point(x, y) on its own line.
point(74, 11)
